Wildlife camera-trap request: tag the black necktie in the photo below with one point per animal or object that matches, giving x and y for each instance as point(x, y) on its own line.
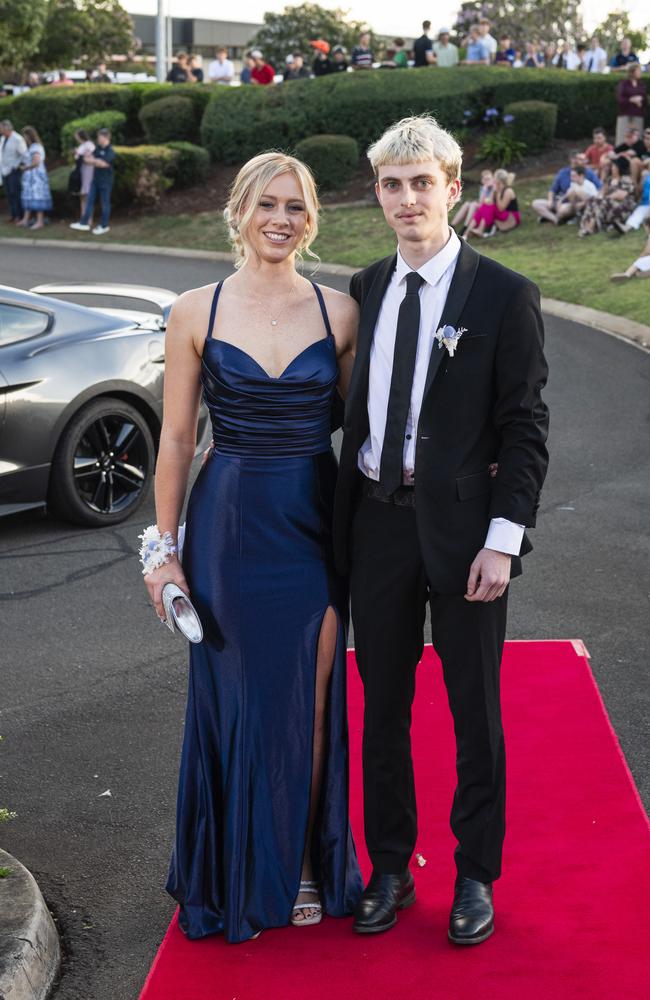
point(401, 383)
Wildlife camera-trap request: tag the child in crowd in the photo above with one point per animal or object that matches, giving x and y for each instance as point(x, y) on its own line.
point(501, 214)
point(641, 266)
point(466, 211)
point(102, 159)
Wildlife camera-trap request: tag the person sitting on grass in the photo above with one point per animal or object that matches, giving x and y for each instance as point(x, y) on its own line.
point(548, 209)
point(640, 213)
point(641, 266)
point(501, 213)
point(466, 211)
point(102, 158)
point(614, 206)
point(597, 153)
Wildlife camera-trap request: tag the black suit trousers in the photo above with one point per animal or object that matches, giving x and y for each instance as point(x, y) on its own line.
point(389, 591)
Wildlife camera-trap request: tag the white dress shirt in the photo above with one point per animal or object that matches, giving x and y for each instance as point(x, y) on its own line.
point(503, 535)
point(221, 71)
point(11, 152)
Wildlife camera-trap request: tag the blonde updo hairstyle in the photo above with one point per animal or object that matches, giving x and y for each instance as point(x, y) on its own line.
point(248, 187)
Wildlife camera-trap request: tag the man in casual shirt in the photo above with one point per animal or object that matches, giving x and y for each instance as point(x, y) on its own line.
point(599, 148)
point(567, 58)
point(446, 52)
point(446, 384)
point(12, 148)
point(505, 53)
point(489, 41)
point(102, 159)
point(547, 208)
point(596, 58)
point(262, 74)
point(624, 56)
point(178, 73)
point(296, 70)
point(476, 53)
point(221, 69)
point(624, 154)
point(362, 56)
point(338, 62)
point(423, 47)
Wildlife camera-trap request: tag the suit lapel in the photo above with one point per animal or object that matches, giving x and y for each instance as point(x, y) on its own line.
point(459, 289)
point(367, 323)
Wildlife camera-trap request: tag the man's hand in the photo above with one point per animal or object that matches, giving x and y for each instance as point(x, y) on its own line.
point(489, 575)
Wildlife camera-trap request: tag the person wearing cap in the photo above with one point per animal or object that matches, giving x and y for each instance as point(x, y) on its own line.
point(362, 55)
point(262, 73)
point(296, 69)
point(322, 65)
point(446, 53)
point(339, 62)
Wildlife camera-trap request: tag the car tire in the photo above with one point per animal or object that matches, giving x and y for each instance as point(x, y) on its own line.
point(103, 464)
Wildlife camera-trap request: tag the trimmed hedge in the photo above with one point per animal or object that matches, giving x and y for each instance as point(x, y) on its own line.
point(49, 110)
point(114, 120)
point(534, 123)
point(332, 158)
point(241, 121)
point(143, 173)
point(192, 165)
point(197, 93)
point(170, 118)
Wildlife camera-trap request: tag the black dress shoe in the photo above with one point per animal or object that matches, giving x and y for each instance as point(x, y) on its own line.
point(384, 895)
point(472, 914)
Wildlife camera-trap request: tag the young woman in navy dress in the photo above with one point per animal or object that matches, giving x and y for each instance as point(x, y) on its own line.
point(263, 835)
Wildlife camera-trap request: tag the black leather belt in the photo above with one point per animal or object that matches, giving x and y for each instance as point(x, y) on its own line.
point(404, 496)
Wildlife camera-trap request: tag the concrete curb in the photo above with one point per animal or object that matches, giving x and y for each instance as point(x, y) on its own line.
point(616, 326)
point(30, 954)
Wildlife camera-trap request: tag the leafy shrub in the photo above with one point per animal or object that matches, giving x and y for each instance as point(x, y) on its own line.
point(143, 173)
point(49, 110)
point(114, 120)
point(168, 118)
point(534, 123)
point(241, 121)
point(64, 204)
point(192, 165)
point(501, 147)
point(332, 158)
point(198, 94)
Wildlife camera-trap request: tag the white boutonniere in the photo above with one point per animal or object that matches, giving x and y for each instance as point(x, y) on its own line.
point(448, 336)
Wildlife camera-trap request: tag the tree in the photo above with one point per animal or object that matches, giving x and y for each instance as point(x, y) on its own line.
point(86, 31)
point(525, 20)
point(22, 27)
point(296, 27)
point(617, 26)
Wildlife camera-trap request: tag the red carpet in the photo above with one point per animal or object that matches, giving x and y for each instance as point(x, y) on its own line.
point(571, 908)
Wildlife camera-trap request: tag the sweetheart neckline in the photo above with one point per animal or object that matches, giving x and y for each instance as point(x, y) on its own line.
point(271, 378)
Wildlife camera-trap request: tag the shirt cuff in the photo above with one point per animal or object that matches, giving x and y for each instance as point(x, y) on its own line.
point(504, 536)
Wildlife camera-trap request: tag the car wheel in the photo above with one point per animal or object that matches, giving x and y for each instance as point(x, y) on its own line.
point(103, 464)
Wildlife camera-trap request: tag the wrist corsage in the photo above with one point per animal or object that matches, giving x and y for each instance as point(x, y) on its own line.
point(156, 549)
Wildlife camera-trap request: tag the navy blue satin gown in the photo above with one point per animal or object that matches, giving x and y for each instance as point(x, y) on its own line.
point(258, 563)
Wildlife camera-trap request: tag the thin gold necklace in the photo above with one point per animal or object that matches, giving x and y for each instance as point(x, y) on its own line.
point(275, 320)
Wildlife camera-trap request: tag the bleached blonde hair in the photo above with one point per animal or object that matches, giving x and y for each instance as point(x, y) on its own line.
point(415, 140)
point(248, 187)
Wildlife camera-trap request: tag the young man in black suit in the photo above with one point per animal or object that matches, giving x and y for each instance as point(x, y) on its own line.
point(447, 384)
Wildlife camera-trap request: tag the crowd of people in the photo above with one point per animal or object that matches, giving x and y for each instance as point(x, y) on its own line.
point(479, 47)
point(27, 186)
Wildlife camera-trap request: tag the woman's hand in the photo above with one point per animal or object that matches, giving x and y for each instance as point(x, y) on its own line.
point(171, 572)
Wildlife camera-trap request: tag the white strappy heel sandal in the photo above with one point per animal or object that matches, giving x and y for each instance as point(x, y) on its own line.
point(312, 888)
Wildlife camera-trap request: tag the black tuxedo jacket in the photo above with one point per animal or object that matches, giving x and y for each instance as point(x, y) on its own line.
point(483, 405)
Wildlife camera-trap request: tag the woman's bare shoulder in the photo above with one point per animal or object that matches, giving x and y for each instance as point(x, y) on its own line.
point(340, 305)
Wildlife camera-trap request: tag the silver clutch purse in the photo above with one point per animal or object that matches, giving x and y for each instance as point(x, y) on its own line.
point(180, 613)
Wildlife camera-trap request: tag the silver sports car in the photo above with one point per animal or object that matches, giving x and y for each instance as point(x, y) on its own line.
point(81, 393)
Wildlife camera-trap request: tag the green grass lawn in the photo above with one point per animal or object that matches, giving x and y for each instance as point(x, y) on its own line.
point(564, 266)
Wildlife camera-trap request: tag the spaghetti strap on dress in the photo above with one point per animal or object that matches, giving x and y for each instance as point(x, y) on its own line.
point(258, 561)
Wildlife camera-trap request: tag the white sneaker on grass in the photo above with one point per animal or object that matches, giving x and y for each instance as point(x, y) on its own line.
point(100, 230)
point(80, 226)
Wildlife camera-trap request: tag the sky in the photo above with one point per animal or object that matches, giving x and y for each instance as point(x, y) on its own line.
point(384, 16)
